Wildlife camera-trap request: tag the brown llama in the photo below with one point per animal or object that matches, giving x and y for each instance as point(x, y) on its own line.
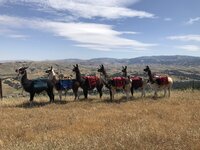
point(88, 82)
point(61, 84)
point(137, 83)
point(115, 83)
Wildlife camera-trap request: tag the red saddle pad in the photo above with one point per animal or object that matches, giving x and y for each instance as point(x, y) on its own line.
point(136, 82)
point(119, 81)
point(92, 80)
point(162, 80)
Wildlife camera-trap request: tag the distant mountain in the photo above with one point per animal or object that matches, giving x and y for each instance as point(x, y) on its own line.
point(176, 60)
point(162, 60)
point(167, 60)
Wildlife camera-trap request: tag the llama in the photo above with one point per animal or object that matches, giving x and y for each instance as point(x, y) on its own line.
point(158, 82)
point(115, 83)
point(136, 82)
point(88, 82)
point(35, 86)
point(61, 84)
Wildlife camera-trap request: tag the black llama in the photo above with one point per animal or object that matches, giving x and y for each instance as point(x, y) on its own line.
point(63, 84)
point(35, 86)
point(88, 82)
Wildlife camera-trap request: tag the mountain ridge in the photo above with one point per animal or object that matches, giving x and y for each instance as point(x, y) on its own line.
point(182, 60)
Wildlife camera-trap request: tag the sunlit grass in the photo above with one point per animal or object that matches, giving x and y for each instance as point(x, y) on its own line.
point(140, 123)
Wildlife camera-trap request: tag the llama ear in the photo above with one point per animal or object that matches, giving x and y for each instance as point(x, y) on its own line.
point(76, 65)
point(51, 68)
point(125, 67)
point(25, 68)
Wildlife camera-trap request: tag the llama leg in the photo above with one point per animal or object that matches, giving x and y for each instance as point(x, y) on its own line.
point(65, 93)
point(75, 95)
point(60, 94)
point(85, 92)
point(143, 92)
point(110, 94)
point(52, 96)
point(165, 91)
point(169, 92)
point(100, 92)
point(127, 95)
point(155, 94)
point(49, 93)
point(132, 91)
point(75, 91)
point(113, 93)
point(31, 98)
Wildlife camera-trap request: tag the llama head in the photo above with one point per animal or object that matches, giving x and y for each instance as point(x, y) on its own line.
point(75, 69)
point(147, 69)
point(21, 71)
point(51, 73)
point(101, 69)
point(124, 69)
point(49, 70)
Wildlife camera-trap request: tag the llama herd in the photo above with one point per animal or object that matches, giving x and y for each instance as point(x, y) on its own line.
point(125, 82)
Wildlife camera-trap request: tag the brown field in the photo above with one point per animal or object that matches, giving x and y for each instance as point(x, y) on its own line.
point(165, 123)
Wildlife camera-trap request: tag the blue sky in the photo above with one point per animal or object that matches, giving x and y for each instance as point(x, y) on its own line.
point(59, 29)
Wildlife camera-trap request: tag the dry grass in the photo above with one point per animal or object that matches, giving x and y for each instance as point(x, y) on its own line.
point(96, 124)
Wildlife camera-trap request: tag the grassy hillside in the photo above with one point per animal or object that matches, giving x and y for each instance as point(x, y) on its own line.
point(165, 123)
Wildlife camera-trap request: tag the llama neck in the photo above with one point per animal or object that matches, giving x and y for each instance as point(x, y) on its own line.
point(105, 74)
point(52, 77)
point(125, 74)
point(25, 82)
point(104, 77)
point(78, 76)
point(150, 76)
point(24, 78)
point(54, 80)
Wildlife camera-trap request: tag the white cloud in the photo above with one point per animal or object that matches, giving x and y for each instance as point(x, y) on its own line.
point(167, 19)
point(18, 36)
point(11, 34)
point(190, 37)
point(95, 36)
point(109, 9)
point(11, 21)
point(130, 32)
point(193, 20)
point(90, 35)
point(191, 48)
point(107, 12)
